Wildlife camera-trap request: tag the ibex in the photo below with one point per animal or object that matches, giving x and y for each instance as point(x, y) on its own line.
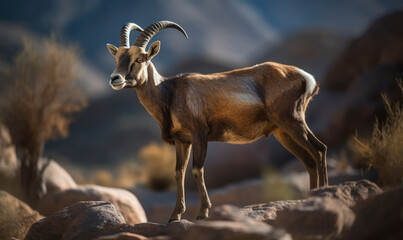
point(237, 106)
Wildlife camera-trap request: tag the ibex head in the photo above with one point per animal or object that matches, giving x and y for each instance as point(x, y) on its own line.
point(132, 61)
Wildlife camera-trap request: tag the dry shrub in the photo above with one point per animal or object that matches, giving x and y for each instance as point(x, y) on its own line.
point(104, 178)
point(126, 174)
point(384, 150)
point(39, 102)
point(129, 173)
point(159, 161)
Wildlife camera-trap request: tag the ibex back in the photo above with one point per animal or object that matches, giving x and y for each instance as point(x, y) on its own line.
point(237, 106)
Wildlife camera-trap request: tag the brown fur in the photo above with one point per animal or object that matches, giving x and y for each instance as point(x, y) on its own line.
point(237, 106)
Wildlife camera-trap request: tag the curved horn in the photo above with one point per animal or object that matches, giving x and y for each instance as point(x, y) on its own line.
point(125, 33)
point(151, 30)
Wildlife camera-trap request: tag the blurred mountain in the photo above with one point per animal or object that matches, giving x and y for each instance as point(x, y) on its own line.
point(222, 35)
point(368, 66)
point(228, 31)
point(11, 42)
point(312, 50)
point(380, 44)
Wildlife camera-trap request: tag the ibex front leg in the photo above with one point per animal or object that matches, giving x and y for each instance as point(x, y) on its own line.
point(199, 154)
point(182, 159)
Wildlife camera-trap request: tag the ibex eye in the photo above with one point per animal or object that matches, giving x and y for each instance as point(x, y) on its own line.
point(139, 60)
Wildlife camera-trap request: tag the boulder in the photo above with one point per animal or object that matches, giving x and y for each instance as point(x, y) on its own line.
point(123, 236)
point(379, 217)
point(55, 177)
point(8, 158)
point(355, 110)
point(315, 218)
point(267, 212)
point(8, 164)
point(228, 213)
point(379, 44)
point(156, 229)
point(123, 200)
point(349, 192)
point(228, 222)
point(82, 220)
point(228, 230)
point(240, 194)
point(368, 66)
point(15, 217)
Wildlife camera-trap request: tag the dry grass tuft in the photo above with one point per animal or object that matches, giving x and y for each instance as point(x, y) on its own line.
point(159, 161)
point(384, 150)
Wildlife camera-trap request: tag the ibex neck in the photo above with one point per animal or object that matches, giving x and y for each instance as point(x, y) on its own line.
point(149, 93)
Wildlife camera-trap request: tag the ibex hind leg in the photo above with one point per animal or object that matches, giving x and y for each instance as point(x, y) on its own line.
point(322, 168)
point(300, 133)
point(300, 153)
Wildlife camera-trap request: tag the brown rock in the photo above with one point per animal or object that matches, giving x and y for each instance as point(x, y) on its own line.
point(349, 192)
point(380, 44)
point(315, 218)
point(227, 222)
point(230, 230)
point(82, 220)
point(380, 217)
point(240, 194)
point(8, 158)
point(123, 200)
point(15, 217)
point(368, 66)
point(55, 177)
point(228, 213)
point(267, 211)
point(123, 236)
point(8, 164)
point(161, 238)
point(355, 110)
point(156, 229)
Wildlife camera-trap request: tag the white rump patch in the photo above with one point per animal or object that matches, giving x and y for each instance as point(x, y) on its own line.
point(310, 81)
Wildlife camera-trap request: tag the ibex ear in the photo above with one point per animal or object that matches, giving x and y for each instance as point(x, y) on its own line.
point(112, 49)
point(153, 50)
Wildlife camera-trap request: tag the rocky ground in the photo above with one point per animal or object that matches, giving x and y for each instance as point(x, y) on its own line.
point(351, 210)
point(351, 207)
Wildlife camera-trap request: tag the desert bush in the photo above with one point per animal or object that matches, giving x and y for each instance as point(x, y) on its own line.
point(38, 104)
point(384, 150)
point(129, 174)
point(159, 164)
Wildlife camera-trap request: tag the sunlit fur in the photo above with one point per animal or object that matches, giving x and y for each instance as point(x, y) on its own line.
point(237, 106)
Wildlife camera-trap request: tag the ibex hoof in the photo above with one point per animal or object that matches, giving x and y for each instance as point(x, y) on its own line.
point(174, 218)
